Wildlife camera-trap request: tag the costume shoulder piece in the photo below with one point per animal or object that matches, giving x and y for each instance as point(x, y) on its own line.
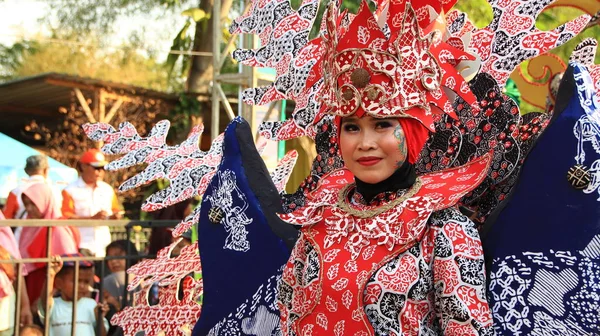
point(237, 228)
point(442, 189)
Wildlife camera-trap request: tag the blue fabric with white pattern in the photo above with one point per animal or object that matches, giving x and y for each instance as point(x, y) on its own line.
point(545, 246)
point(241, 257)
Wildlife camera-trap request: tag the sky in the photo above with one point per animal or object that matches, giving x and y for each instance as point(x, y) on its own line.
point(20, 18)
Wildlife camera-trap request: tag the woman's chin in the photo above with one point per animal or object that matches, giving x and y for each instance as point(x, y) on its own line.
point(370, 178)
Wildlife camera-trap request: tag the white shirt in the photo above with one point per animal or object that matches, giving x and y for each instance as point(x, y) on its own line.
point(61, 313)
point(86, 202)
point(7, 307)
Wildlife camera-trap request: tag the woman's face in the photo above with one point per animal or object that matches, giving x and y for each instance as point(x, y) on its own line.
point(32, 210)
point(372, 148)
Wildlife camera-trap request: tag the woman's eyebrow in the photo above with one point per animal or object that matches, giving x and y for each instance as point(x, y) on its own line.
point(385, 119)
point(349, 119)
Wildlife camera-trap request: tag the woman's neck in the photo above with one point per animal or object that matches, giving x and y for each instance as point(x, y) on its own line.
point(403, 178)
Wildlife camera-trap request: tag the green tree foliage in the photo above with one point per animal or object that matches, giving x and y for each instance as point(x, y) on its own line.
point(99, 17)
point(479, 11)
point(196, 34)
point(124, 64)
point(12, 58)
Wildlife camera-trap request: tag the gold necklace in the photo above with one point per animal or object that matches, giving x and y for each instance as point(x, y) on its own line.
point(343, 202)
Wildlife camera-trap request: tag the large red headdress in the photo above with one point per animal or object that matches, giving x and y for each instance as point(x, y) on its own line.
point(404, 60)
point(367, 68)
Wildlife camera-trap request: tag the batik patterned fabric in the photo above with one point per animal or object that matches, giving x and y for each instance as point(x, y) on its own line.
point(448, 262)
point(327, 160)
point(545, 263)
point(512, 36)
point(258, 315)
point(365, 270)
point(189, 171)
point(584, 54)
point(178, 304)
point(284, 38)
point(241, 248)
point(281, 174)
point(402, 74)
point(496, 125)
point(354, 65)
point(186, 167)
point(171, 317)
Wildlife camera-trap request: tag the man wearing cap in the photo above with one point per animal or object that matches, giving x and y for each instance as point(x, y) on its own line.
point(36, 166)
point(91, 198)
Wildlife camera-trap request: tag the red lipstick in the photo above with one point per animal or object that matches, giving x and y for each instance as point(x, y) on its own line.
point(368, 160)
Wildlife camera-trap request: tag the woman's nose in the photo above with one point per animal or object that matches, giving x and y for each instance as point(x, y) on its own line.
point(366, 142)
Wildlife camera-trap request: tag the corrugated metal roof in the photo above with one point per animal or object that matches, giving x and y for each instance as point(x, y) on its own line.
point(51, 90)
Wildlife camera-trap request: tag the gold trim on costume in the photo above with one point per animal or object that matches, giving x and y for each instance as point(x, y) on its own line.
point(343, 202)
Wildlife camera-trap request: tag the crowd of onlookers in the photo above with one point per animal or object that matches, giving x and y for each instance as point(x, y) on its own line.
point(86, 198)
point(62, 285)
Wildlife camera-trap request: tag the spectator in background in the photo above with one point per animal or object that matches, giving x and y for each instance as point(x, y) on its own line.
point(119, 248)
point(9, 250)
point(114, 283)
point(161, 237)
point(40, 204)
point(36, 166)
point(91, 198)
point(61, 308)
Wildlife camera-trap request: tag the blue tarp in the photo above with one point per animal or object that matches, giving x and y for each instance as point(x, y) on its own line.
point(12, 162)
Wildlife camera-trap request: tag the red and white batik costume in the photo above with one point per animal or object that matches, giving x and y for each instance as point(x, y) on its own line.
point(410, 265)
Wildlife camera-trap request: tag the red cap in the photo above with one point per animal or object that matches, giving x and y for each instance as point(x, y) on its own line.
point(94, 158)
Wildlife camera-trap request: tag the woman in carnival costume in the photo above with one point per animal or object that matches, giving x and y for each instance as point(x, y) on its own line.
point(383, 248)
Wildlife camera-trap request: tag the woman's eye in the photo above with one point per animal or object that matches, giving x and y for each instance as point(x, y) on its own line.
point(383, 124)
point(350, 128)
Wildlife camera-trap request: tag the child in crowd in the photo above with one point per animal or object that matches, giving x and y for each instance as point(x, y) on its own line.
point(61, 307)
point(118, 248)
point(114, 283)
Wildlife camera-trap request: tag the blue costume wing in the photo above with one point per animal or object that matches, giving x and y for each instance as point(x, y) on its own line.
point(544, 248)
point(240, 240)
point(248, 307)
